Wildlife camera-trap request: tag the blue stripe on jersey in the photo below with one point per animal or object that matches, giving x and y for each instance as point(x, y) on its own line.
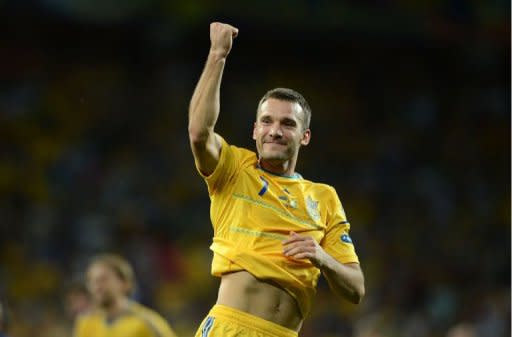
point(207, 326)
point(265, 187)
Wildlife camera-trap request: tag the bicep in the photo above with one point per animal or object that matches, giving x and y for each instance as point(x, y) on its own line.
point(354, 266)
point(207, 154)
point(338, 244)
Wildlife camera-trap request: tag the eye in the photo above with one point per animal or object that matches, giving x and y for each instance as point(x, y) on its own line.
point(289, 123)
point(265, 120)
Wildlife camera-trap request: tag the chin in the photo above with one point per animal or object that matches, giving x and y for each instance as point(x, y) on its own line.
point(104, 302)
point(275, 158)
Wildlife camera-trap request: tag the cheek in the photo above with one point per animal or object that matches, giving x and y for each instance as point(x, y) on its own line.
point(258, 133)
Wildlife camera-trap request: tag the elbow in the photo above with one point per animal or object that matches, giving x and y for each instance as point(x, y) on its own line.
point(359, 289)
point(198, 136)
point(358, 294)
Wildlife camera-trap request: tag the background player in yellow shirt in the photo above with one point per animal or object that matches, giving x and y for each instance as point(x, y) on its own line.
point(110, 280)
point(274, 232)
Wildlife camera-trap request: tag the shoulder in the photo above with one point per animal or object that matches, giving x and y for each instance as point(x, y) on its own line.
point(88, 316)
point(143, 311)
point(85, 322)
point(245, 156)
point(152, 318)
point(240, 151)
point(319, 187)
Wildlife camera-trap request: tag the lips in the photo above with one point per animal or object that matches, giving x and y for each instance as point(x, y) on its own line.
point(277, 143)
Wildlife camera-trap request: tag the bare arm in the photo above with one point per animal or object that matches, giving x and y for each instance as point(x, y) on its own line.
point(205, 103)
point(345, 280)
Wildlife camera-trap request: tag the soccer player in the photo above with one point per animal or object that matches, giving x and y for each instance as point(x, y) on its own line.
point(274, 231)
point(77, 299)
point(110, 280)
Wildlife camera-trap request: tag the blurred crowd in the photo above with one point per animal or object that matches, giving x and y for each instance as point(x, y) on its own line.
point(411, 125)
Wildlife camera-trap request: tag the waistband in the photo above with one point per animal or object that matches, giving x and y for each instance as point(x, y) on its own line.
point(250, 321)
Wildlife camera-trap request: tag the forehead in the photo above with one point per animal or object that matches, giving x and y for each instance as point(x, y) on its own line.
point(281, 109)
point(99, 268)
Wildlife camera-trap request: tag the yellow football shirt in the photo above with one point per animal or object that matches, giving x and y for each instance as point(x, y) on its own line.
point(137, 321)
point(253, 211)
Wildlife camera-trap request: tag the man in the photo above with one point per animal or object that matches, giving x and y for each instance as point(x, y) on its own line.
point(77, 299)
point(273, 230)
point(110, 280)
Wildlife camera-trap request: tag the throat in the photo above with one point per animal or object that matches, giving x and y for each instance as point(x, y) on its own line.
point(117, 309)
point(282, 168)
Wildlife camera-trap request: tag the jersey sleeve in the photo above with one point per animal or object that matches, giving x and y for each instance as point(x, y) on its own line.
point(79, 327)
point(337, 241)
point(154, 324)
point(160, 328)
point(225, 169)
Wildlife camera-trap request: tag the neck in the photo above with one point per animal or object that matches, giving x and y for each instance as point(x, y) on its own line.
point(286, 168)
point(118, 306)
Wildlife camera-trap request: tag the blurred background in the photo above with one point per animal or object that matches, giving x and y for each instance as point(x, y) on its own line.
point(411, 125)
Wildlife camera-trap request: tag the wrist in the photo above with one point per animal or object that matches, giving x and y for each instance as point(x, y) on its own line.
point(217, 55)
point(325, 262)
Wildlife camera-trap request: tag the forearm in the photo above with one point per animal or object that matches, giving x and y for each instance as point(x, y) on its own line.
point(205, 103)
point(346, 280)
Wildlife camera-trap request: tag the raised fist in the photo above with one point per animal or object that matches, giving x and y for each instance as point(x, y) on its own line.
point(221, 37)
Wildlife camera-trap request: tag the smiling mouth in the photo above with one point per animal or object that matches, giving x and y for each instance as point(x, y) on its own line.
point(274, 143)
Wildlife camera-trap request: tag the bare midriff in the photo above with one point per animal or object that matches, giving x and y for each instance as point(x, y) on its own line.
point(240, 290)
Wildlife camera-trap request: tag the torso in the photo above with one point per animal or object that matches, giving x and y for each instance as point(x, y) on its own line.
point(242, 291)
point(132, 321)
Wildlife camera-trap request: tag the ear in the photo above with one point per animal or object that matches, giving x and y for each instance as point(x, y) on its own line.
point(254, 131)
point(306, 136)
point(127, 288)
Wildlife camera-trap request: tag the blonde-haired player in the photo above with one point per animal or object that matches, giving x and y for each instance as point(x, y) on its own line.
point(274, 231)
point(111, 280)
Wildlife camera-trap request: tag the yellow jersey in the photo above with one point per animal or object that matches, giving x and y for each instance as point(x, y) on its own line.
point(253, 211)
point(137, 321)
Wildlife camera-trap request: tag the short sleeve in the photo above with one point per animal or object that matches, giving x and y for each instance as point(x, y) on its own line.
point(79, 327)
point(224, 171)
point(154, 324)
point(160, 327)
point(337, 241)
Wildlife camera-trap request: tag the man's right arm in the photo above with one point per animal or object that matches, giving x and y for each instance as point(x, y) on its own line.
point(205, 103)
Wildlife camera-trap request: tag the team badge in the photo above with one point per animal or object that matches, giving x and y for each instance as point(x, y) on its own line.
point(312, 208)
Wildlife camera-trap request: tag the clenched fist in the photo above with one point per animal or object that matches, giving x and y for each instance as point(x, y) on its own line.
point(221, 37)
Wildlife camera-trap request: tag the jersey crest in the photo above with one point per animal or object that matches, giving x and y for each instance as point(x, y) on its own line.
point(312, 208)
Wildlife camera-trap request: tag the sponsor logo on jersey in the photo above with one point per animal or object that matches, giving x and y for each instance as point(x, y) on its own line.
point(345, 238)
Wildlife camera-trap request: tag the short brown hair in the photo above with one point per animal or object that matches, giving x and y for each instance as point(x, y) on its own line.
point(119, 265)
point(289, 95)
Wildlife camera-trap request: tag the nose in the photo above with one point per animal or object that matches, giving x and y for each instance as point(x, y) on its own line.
point(275, 131)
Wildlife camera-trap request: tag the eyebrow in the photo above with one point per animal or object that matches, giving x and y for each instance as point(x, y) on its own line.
point(285, 119)
point(289, 120)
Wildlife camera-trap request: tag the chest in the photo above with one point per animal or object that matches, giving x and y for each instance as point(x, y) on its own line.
point(121, 327)
point(295, 203)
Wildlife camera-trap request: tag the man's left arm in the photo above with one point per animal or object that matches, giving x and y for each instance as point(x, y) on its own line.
point(345, 279)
